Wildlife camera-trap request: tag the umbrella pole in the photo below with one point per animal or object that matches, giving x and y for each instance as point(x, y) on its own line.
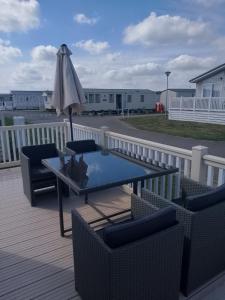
point(71, 124)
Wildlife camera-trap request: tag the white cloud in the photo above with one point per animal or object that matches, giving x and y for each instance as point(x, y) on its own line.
point(33, 75)
point(44, 53)
point(93, 47)
point(166, 29)
point(134, 70)
point(39, 72)
point(83, 70)
point(7, 52)
point(187, 63)
point(83, 19)
point(209, 3)
point(113, 56)
point(19, 15)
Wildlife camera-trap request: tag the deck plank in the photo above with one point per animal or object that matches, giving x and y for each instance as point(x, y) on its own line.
point(35, 261)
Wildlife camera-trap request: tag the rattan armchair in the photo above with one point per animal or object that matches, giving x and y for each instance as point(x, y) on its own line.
point(34, 174)
point(204, 230)
point(145, 269)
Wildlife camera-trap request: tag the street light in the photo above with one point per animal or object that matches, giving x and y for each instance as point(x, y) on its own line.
point(167, 73)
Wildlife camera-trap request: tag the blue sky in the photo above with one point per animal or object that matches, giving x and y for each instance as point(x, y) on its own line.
point(115, 44)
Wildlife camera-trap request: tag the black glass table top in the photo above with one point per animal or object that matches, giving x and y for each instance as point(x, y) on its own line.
point(91, 170)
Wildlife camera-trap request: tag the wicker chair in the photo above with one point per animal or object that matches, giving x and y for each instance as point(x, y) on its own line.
point(204, 243)
point(81, 146)
point(145, 269)
point(35, 175)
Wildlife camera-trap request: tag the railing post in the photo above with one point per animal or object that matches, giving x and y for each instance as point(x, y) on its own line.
point(67, 130)
point(103, 138)
point(198, 169)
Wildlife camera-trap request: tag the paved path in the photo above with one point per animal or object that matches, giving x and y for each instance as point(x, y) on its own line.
point(116, 124)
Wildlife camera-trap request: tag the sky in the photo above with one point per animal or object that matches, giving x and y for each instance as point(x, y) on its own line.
point(115, 44)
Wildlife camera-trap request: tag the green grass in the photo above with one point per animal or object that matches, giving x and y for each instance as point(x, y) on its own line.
point(8, 121)
point(178, 128)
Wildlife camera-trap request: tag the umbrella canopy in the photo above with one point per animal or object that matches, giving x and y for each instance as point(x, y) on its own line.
point(68, 95)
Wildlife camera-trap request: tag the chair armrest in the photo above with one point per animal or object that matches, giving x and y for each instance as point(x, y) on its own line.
point(92, 257)
point(183, 215)
point(140, 207)
point(154, 199)
point(25, 164)
point(191, 187)
point(26, 176)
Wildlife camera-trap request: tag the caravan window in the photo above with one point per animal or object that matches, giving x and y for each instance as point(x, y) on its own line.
point(91, 98)
point(142, 99)
point(211, 90)
point(207, 89)
point(111, 98)
point(216, 88)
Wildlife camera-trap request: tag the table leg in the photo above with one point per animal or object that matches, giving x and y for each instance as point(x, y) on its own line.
point(135, 187)
point(60, 206)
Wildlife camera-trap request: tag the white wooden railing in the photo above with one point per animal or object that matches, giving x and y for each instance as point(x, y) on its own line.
point(12, 138)
point(198, 103)
point(81, 132)
point(197, 109)
point(196, 163)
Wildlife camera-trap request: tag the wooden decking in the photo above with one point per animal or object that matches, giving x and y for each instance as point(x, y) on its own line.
point(35, 262)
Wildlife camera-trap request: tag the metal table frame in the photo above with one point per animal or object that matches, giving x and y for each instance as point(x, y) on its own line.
point(62, 178)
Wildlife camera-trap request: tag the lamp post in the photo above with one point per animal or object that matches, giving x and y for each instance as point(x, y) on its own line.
point(167, 73)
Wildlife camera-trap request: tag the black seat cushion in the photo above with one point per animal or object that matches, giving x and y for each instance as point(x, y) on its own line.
point(39, 152)
point(41, 173)
point(82, 146)
point(121, 234)
point(203, 201)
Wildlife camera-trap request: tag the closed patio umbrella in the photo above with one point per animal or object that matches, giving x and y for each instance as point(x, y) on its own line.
point(68, 94)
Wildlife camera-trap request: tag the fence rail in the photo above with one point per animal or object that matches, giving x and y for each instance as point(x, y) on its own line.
point(196, 163)
point(198, 104)
point(197, 109)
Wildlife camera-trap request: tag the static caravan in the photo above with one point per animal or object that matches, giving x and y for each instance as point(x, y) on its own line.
point(113, 100)
point(28, 100)
point(119, 100)
point(6, 102)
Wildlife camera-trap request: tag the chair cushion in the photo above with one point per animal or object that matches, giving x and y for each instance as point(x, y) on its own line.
point(82, 146)
point(121, 234)
point(40, 172)
point(203, 201)
point(39, 152)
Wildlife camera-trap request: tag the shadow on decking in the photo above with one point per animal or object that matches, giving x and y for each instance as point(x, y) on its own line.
point(41, 276)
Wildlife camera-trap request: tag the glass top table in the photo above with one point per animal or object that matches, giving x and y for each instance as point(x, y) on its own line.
point(99, 170)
